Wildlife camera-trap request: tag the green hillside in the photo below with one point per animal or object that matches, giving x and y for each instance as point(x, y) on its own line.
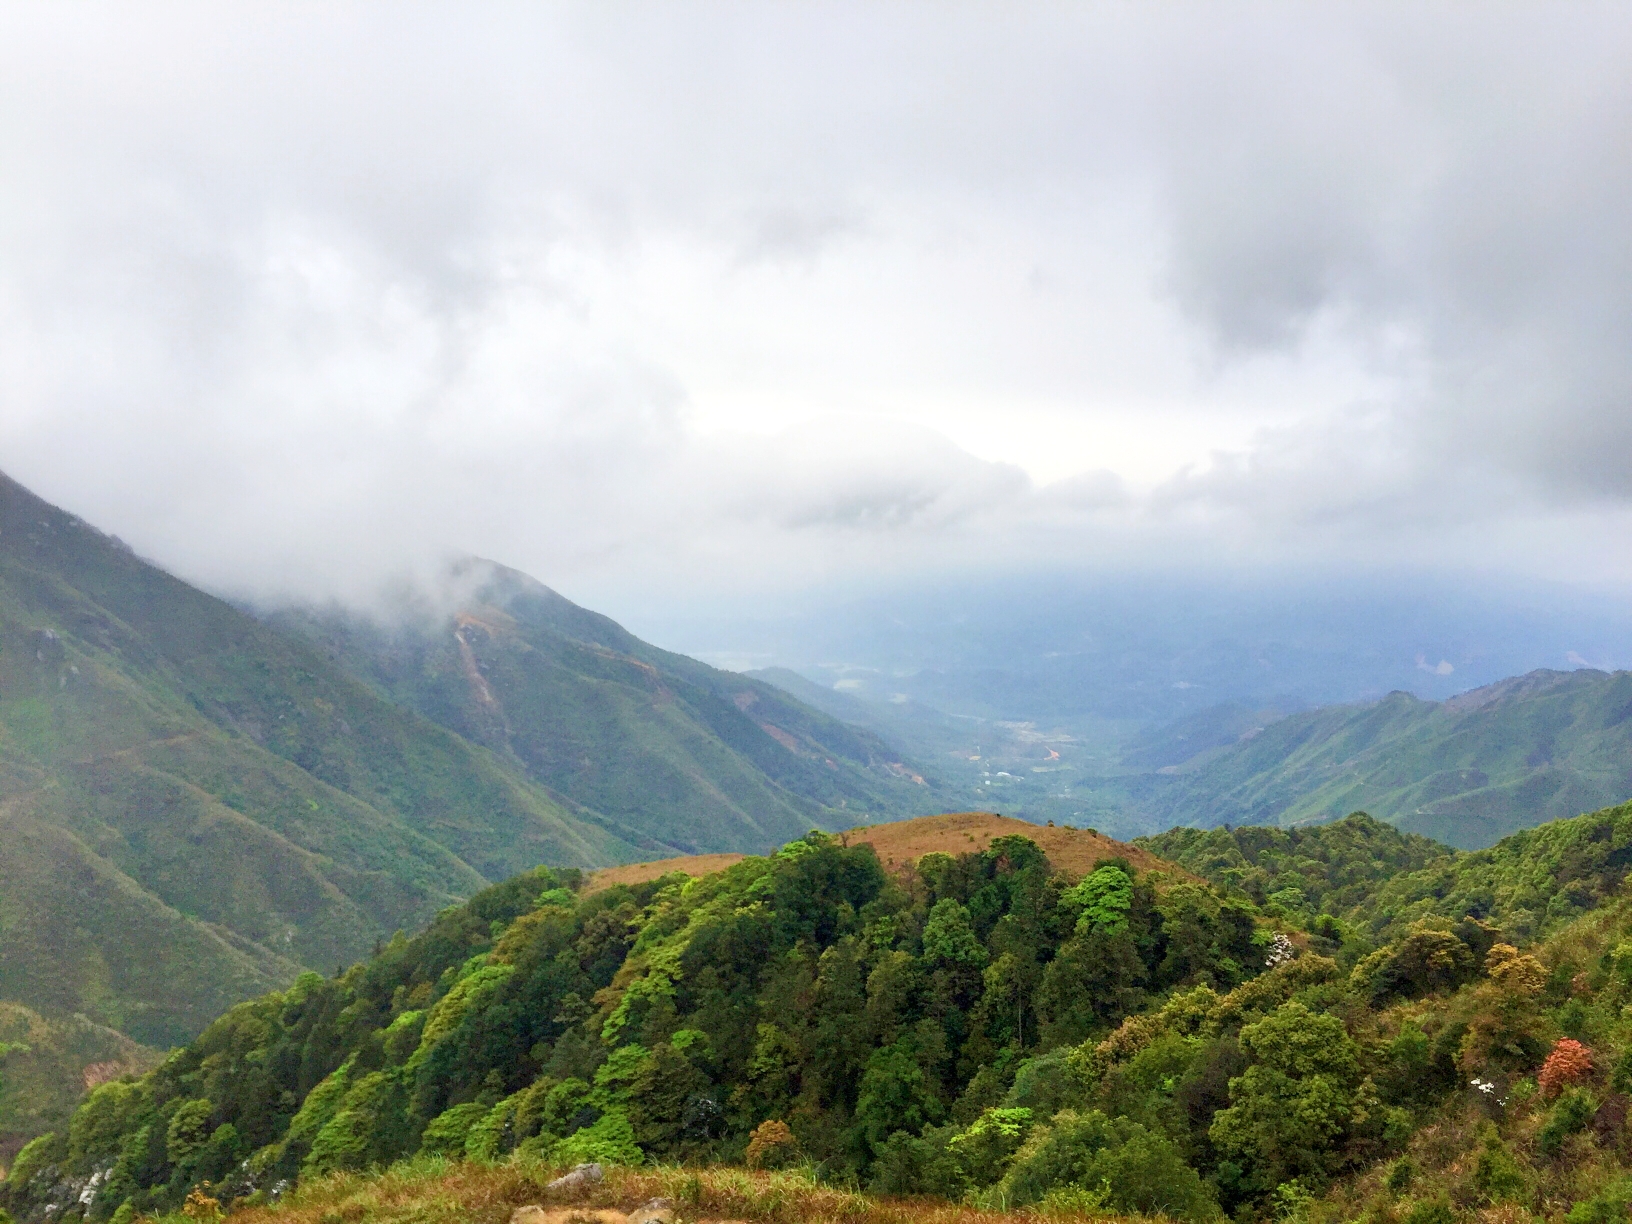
point(46, 1065)
point(1379, 881)
point(979, 1028)
point(195, 806)
point(1467, 771)
point(1314, 869)
point(666, 748)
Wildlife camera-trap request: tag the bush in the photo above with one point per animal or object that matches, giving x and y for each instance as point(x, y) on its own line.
point(1569, 1063)
point(611, 1140)
point(772, 1145)
point(1437, 1210)
point(1608, 1206)
point(1142, 1171)
point(1496, 1175)
point(1572, 1114)
point(445, 1135)
point(907, 1164)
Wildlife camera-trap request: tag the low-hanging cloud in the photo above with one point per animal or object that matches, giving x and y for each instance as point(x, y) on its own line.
point(300, 300)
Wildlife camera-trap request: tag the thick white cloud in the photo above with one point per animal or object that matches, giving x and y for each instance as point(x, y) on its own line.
point(297, 298)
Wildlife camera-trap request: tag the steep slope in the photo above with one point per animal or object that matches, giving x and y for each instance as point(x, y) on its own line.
point(196, 805)
point(1466, 771)
point(45, 1066)
point(670, 749)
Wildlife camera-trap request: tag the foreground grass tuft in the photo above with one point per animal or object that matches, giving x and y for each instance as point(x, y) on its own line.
point(435, 1190)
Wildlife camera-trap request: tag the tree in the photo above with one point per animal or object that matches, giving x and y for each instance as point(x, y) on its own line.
point(895, 1095)
point(1293, 1103)
point(1138, 1170)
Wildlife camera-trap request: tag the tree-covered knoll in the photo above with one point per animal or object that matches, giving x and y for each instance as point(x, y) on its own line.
point(671, 1020)
point(1314, 869)
point(977, 1027)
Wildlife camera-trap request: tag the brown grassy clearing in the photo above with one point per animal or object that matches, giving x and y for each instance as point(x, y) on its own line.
point(434, 1190)
point(1073, 851)
point(639, 873)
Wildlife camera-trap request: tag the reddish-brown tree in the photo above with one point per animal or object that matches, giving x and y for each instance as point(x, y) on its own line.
point(1569, 1063)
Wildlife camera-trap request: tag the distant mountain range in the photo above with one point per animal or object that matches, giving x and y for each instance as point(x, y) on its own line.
point(196, 804)
point(1466, 771)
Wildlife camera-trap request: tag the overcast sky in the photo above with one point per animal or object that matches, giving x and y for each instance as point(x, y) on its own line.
point(715, 299)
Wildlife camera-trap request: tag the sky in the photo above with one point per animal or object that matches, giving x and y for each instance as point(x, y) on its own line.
point(734, 302)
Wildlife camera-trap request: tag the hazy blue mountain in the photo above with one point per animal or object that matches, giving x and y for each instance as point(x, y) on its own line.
point(1144, 652)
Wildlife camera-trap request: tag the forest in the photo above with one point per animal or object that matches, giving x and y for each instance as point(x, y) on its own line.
point(1320, 1024)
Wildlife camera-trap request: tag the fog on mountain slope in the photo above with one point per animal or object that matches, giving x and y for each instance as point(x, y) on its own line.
point(197, 805)
point(676, 754)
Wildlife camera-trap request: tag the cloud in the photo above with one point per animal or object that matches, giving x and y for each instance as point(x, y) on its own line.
point(1442, 668)
point(304, 300)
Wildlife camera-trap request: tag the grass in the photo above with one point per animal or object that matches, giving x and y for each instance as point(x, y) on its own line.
point(434, 1190)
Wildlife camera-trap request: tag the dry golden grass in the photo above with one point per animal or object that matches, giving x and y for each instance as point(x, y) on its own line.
point(639, 873)
point(433, 1190)
point(1073, 851)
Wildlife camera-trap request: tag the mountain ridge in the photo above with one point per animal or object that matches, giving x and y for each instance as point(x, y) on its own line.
point(197, 804)
point(1467, 771)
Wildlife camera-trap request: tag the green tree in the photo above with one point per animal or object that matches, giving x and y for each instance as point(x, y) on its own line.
point(1291, 1106)
point(896, 1095)
point(1140, 1170)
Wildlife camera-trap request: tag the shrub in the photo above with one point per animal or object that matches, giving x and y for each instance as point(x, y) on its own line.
point(772, 1145)
point(1569, 1063)
point(1608, 1206)
point(1496, 1175)
point(907, 1164)
point(1572, 1114)
point(1437, 1210)
point(1143, 1171)
point(611, 1140)
point(445, 1135)
point(200, 1206)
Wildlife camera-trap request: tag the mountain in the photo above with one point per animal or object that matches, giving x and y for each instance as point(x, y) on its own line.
point(668, 751)
point(197, 804)
point(46, 1065)
point(1466, 771)
point(194, 806)
point(978, 1027)
point(1304, 871)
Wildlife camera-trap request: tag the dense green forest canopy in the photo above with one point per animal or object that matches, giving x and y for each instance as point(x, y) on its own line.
point(974, 1026)
point(1360, 876)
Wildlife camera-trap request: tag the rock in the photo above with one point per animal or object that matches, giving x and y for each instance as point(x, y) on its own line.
point(581, 1176)
point(655, 1211)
